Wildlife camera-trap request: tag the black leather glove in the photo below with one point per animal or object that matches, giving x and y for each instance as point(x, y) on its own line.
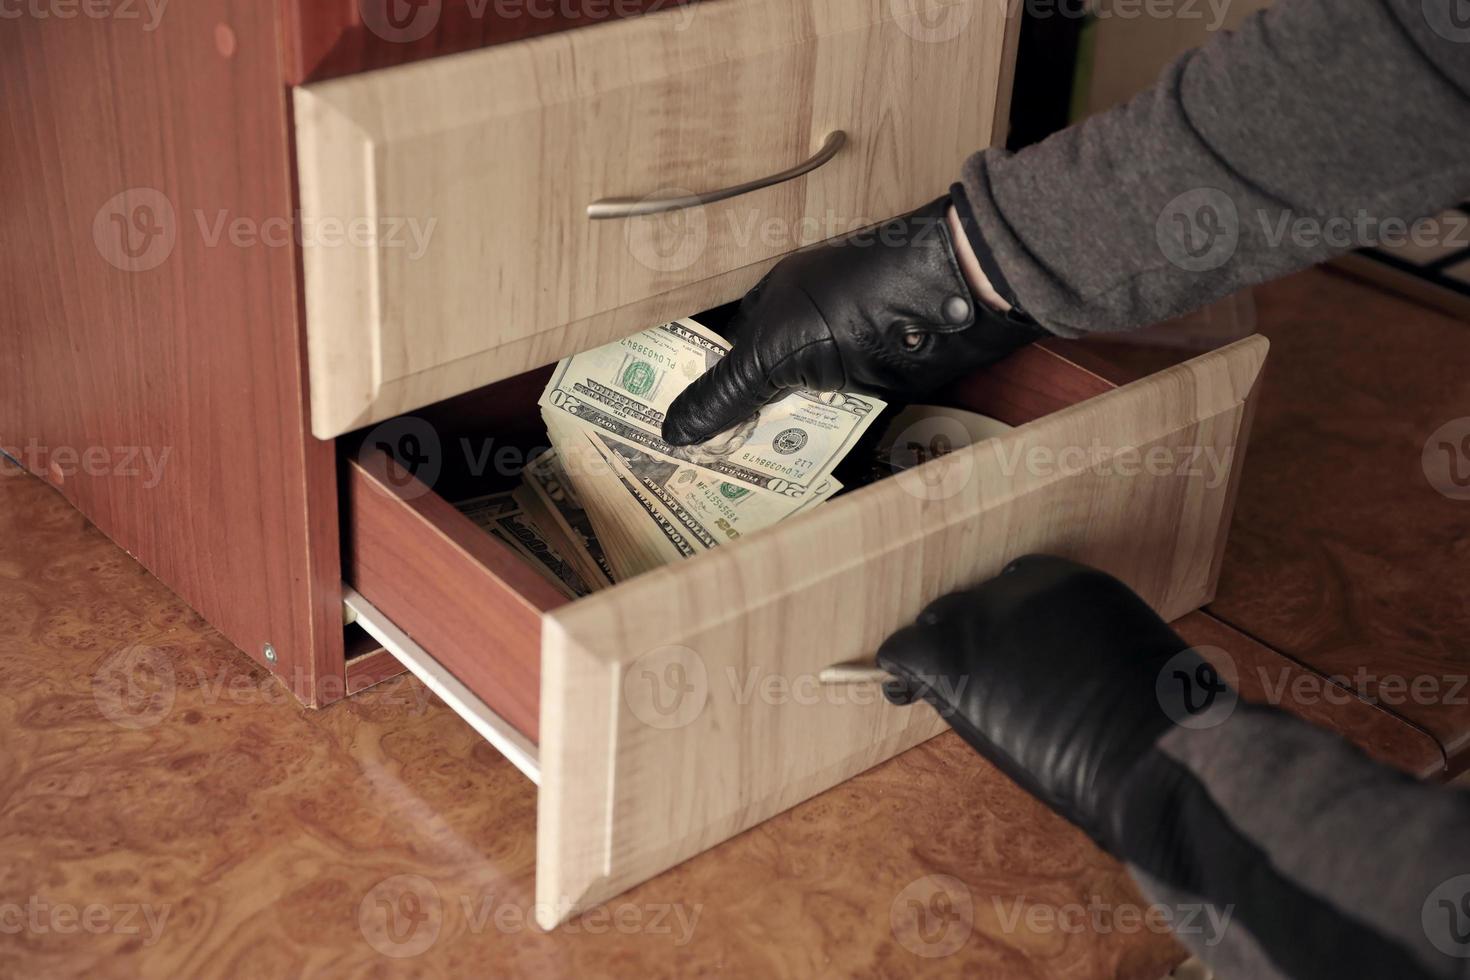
point(886, 311)
point(1050, 671)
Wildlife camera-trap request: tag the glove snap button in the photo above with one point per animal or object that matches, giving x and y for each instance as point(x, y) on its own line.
point(956, 310)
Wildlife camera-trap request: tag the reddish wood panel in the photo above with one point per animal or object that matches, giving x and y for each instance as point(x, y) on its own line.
point(1344, 555)
point(468, 599)
point(1035, 381)
point(134, 325)
point(371, 668)
point(330, 38)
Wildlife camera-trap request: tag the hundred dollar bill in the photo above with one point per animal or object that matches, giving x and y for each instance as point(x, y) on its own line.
point(625, 388)
point(709, 509)
point(499, 515)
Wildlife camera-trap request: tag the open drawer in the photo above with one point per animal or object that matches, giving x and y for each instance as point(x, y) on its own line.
point(448, 233)
point(678, 708)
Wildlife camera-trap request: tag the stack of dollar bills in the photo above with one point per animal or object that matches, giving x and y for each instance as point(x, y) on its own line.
point(612, 500)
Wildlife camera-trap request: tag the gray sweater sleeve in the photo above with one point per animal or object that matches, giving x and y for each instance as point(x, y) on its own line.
point(1319, 126)
point(1280, 851)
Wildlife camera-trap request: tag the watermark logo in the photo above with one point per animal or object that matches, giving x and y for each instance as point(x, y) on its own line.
point(1445, 917)
point(39, 917)
point(928, 460)
point(670, 241)
point(136, 231)
point(1450, 19)
point(1199, 230)
point(667, 687)
point(135, 687)
point(1196, 692)
point(933, 916)
point(119, 10)
point(1446, 459)
point(414, 444)
point(1102, 918)
point(929, 22)
point(401, 916)
point(401, 21)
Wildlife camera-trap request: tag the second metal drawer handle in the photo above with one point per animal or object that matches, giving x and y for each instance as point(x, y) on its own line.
point(631, 207)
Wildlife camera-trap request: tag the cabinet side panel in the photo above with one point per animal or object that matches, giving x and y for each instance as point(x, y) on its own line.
point(152, 364)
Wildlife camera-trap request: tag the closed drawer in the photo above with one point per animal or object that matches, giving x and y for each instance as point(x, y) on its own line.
point(678, 708)
point(444, 204)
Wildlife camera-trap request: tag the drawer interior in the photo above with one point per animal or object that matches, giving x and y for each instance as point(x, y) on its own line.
point(473, 603)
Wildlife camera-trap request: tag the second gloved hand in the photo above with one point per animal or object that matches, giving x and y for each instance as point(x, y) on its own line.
point(1052, 672)
point(886, 311)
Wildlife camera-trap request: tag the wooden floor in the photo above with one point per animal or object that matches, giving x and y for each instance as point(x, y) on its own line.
point(166, 810)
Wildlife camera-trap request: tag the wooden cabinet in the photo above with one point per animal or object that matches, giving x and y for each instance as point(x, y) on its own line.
point(472, 175)
point(211, 353)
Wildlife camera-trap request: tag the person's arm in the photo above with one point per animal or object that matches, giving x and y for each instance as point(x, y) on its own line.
point(1282, 851)
point(1346, 113)
point(1318, 862)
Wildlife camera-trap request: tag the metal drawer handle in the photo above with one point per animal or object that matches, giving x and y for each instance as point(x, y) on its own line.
point(632, 207)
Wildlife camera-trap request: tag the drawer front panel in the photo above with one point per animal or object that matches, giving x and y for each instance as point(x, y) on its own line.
point(446, 242)
point(682, 707)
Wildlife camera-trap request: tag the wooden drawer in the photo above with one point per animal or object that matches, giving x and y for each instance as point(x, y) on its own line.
point(678, 708)
point(444, 204)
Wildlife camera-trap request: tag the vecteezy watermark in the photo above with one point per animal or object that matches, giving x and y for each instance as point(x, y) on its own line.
point(667, 687)
point(410, 234)
point(404, 915)
point(149, 13)
point(415, 454)
point(1446, 459)
point(38, 917)
point(1445, 917)
point(407, 21)
point(933, 916)
point(135, 687)
point(1102, 918)
point(1212, 464)
point(135, 230)
point(1299, 687)
point(668, 241)
point(1450, 19)
point(419, 457)
point(138, 687)
point(1199, 231)
point(129, 462)
point(1363, 229)
point(929, 22)
point(138, 230)
point(1197, 687)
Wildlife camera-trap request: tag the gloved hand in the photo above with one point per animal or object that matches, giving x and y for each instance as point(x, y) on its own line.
point(1050, 671)
point(886, 312)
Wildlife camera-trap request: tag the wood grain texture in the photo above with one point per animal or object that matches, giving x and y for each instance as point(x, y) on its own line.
point(1343, 555)
point(330, 38)
point(149, 766)
point(508, 273)
point(459, 592)
point(670, 670)
point(271, 840)
point(132, 326)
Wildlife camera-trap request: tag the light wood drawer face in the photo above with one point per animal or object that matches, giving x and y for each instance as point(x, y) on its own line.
point(681, 707)
point(446, 242)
